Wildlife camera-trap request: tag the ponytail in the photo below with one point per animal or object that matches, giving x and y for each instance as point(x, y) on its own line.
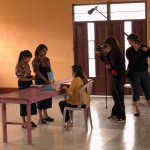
point(24, 53)
point(20, 56)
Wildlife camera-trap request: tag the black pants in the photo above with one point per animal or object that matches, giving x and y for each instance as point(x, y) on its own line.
point(64, 104)
point(118, 109)
point(23, 107)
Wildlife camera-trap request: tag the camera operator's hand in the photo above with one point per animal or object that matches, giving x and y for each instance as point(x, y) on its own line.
point(99, 53)
point(144, 48)
point(108, 66)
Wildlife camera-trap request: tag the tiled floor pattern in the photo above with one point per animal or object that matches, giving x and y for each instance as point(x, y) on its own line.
point(134, 134)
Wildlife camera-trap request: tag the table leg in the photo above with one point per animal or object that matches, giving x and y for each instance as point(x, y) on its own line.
point(29, 136)
point(4, 122)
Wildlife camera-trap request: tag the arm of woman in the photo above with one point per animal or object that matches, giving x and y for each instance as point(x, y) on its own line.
point(146, 50)
point(21, 78)
point(36, 63)
point(71, 88)
point(42, 77)
point(23, 72)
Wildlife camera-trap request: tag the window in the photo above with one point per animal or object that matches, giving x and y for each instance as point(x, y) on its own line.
point(81, 13)
point(127, 11)
point(91, 52)
point(128, 30)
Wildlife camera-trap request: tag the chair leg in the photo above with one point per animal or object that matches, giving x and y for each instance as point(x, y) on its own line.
point(71, 116)
point(85, 118)
point(64, 116)
point(90, 117)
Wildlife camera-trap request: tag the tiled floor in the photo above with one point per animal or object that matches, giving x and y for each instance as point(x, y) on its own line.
point(134, 134)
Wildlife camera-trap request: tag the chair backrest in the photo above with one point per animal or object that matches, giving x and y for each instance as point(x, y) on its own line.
point(85, 89)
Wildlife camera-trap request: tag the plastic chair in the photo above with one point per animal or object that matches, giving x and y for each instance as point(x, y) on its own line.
point(87, 112)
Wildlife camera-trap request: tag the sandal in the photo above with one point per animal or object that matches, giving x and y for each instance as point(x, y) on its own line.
point(42, 121)
point(24, 126)
point(33, 125)
point(137, 114)
point(68, 124)
point(49, 119)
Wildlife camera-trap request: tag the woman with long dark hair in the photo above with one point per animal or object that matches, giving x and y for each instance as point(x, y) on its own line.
point(41, 66)
point(25, 78)
point(115, 64)
point(138, 75)
point(73, 92)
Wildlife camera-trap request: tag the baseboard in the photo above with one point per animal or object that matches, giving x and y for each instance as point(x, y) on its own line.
point(7, 90)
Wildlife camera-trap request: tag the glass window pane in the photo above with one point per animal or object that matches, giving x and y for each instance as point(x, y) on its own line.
point(83, 9)
point(91, 35)
point(127, 11)
point(87, 17)
point(92, 68)
point(127, 27)
point(91, 49)
point(81, 12)
point(127, 7)
point(128, 30)
point(128, 15)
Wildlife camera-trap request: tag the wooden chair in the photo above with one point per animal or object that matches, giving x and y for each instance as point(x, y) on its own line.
point(87, 112)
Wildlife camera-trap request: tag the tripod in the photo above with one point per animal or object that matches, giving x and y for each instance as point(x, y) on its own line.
point(113, 84)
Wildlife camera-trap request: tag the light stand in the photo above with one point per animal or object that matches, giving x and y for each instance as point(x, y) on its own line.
point(114, 86)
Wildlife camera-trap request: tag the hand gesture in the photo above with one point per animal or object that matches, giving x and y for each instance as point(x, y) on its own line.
point(47, 81)
point(98, 53)
point(32, 77)
point(65, 87)
point(144, 48)
point(108, 66)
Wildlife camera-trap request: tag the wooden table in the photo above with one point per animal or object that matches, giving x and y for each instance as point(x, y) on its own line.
point(27, 96)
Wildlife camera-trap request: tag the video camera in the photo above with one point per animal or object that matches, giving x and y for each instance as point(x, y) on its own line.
point(100, 48)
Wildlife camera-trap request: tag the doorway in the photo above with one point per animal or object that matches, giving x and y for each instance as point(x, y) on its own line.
point(89, 32)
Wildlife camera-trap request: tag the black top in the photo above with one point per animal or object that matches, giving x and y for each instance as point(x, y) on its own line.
point(118, 61)
point(137, 59)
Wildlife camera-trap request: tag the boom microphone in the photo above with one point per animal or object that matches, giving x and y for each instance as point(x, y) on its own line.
point(91, 10)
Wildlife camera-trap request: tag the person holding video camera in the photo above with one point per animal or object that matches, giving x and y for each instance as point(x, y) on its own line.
point(114, 61)
point(138, 73)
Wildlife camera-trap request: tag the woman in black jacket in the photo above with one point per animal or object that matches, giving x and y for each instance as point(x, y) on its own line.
point(115, 64)
point(138, 74)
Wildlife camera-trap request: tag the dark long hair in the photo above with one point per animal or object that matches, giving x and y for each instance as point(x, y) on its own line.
point(39, 49)
point(24, 53)
point(134, 38)
point(114, 46)
point(79, 73)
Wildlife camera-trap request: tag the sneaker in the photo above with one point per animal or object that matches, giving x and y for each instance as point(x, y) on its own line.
point(120, 120)
point(70, 123)
point(111, 117)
